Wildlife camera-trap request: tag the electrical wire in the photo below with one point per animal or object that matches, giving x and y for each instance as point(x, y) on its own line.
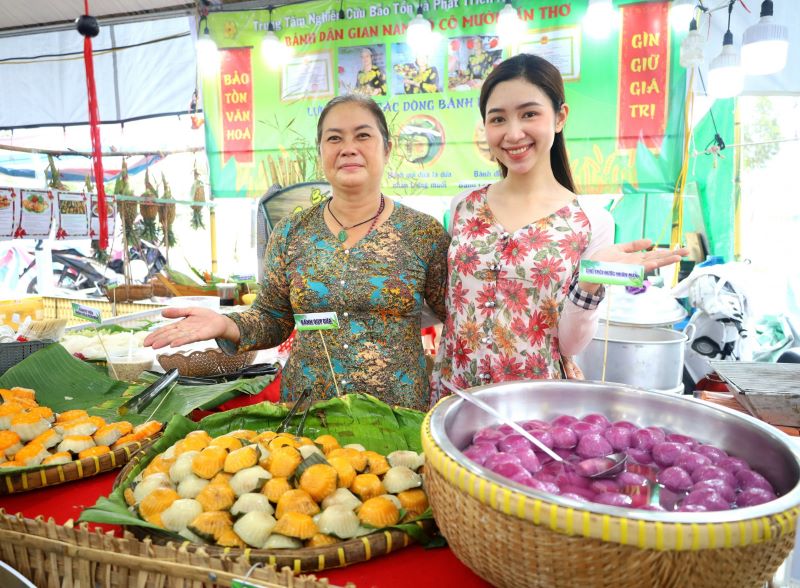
point(717, 140)
point(79, 54)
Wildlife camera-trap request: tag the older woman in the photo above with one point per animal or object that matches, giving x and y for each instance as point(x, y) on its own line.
point(359, 254)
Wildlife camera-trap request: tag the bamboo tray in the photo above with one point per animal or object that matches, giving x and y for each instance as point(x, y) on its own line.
point(769, 391)
point(309, 559)
point(42, 477)
point(52, 555)
point(129, 292)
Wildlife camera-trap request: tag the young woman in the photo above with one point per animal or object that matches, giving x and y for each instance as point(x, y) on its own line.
point(515, 308)
point(359, 254)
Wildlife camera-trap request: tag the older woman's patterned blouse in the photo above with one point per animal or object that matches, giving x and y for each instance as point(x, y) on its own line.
point(377, 288)
point(507, 291)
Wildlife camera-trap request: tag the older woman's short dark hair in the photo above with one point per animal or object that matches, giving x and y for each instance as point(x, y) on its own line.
point(364, 101)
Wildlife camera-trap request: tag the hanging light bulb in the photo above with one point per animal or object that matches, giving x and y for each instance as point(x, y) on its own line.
point(273, 51)
point(765, 44)
point(725, 75)
point(692, 47)
point(419, 33)
point(208, 57)
point(680, 13)
point(510, 27)
point(598, 22)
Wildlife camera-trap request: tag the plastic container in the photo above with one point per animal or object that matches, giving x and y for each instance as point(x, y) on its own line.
point(211, 302)
point(13, 353)
point(128, 367)
point(14, 312)
point(228, 293)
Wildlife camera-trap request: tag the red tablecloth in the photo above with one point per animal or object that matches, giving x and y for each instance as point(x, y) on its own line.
point(435, 568)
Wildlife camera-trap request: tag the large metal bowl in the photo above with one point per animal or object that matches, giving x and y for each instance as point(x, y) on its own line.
point(768, 450)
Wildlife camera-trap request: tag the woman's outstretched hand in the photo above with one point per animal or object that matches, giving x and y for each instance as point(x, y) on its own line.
point(571, 369)
point(199, 324)
point(638, 253)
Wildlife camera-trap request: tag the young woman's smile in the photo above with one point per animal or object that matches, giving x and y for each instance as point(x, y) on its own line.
point(521, 125)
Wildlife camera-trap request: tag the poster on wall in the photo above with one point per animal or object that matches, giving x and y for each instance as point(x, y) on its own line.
point(36, 214)
point(9, 208)
point(94, 219)
point(72, 215)
point(261, 119)
point(561, 46)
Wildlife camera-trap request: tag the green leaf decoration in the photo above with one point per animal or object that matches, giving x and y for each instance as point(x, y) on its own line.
point(182, 279)
point(63, 382)
point(353, 418)
point(418, 533)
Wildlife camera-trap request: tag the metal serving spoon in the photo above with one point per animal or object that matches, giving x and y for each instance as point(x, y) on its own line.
point(595, 467)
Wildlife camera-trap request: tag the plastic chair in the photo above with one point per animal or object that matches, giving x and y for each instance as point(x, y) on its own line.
point(279, 202)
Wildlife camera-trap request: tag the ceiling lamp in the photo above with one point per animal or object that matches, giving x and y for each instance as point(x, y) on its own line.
point(208, 57)
point(725, 76)
point(692, 47)
point(510, 27)
point(680, 13)
point(598, 22)
point(273, 51)
point(419, 32)
point(765, 44)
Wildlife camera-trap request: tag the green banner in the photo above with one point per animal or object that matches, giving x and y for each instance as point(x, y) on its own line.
point(623, 91)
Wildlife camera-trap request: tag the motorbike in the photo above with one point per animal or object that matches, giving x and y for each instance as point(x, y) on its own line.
point(72, 270)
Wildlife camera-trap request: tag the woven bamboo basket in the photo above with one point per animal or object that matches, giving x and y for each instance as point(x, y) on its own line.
point(51, 555)
point(561, 546)
point(22, 481)
point(163, 286)
point(129, 292)
point(309, 559)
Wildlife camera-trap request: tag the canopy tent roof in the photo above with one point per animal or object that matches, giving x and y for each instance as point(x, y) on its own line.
point(43, 14)
point(18, 16)
point(145, 58)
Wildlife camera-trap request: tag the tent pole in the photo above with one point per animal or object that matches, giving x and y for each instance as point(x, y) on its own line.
point(213, 230)
point(737, 183)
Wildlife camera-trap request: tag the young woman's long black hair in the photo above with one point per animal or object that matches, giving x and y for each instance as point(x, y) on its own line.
point(539, 72)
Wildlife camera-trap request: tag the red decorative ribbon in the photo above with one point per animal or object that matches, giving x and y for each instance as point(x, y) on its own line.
point(94, 125)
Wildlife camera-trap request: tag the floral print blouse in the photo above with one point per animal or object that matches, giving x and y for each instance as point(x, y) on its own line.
point(507, 293)
point(377, 288)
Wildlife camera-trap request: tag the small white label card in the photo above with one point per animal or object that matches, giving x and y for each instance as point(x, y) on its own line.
point(87, 312)
point(316, 321)
point(617, 274)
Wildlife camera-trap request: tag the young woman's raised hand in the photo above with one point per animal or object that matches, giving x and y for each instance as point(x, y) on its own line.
point(639, 253)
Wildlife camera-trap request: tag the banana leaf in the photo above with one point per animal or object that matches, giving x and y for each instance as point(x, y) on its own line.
point(144, 325)
point(354, 418)
point(63, 382)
